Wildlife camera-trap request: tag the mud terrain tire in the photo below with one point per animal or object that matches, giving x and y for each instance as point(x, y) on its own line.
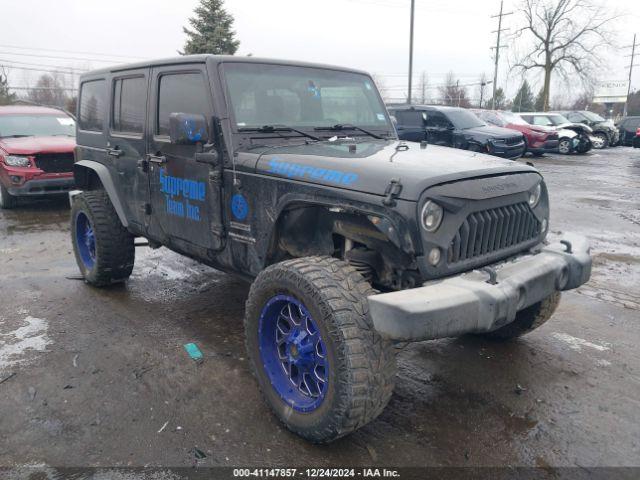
point(7, 201)
point(110, 257)
point(361, 365)
point(527, 319)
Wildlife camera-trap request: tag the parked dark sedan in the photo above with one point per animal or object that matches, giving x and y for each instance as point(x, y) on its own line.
point(629, 129)
point(604, 131)
point(456, 127)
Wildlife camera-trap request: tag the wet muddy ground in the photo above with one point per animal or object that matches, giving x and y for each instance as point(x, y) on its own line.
point(100, 377)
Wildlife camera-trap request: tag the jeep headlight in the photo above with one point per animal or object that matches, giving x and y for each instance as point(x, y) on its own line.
point(432, 214)
point(16, 161)
point(534, 195)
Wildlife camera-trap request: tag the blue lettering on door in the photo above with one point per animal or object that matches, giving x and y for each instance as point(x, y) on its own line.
point(179, 193)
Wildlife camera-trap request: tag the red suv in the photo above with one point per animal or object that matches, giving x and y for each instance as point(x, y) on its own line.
point(539, 140)
point(36, 152)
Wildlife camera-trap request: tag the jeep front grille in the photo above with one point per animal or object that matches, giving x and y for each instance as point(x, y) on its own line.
point(55, 162)
point(492, 230)
point(513, 140)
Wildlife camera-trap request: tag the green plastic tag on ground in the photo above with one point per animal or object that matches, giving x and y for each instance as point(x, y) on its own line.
point(193, 351)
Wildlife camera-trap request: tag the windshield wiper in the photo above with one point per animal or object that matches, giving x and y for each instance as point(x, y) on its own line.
point(347, 126)
point(276, 128)
point(16, 136)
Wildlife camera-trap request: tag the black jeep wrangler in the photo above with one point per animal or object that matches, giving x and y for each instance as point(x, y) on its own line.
point(292, 176)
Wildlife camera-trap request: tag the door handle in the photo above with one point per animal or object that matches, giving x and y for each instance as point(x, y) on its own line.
point(159, 159)
point(114, 152)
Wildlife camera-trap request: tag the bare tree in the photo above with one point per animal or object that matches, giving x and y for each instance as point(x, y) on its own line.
point(451, 93)
point(482, 88)
point(6, 97)
point(49, 90)
point(567, 37)
point(382, 87)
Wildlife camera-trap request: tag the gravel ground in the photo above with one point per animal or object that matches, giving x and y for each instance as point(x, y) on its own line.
point(101, 377)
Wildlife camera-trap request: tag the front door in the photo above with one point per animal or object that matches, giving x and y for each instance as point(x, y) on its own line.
point(185, 198)
point(127, 146)
point(439, 129)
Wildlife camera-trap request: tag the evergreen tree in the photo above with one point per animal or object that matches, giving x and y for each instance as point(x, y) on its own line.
point(6, 97)
point(211, 30)
point(524, 101)
point(539, 104)
point(501, 100)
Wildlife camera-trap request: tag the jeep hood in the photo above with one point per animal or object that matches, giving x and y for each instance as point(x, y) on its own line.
point(374, 163)
point(33, 145)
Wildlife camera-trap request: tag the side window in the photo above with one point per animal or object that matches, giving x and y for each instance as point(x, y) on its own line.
point(129, 104)
point(437, 120)
point(409, 118)
point(180, 93)
point(575, 117)
point(542, 120)
point(92, 105)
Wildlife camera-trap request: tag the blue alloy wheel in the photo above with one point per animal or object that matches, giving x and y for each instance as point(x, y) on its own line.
point(293, 353)
point(86, 240)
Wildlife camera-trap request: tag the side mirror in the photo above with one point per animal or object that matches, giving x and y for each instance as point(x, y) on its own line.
point(187, 129)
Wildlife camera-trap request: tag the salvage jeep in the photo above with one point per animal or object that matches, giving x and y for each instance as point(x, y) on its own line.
point(292, 176)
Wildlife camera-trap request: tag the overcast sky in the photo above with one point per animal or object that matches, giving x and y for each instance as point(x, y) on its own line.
point(451, 35)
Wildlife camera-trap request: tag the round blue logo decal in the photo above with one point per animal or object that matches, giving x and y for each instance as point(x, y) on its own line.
point(239, 206)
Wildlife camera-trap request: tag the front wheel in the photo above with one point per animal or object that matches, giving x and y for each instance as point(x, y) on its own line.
point(564, 146)
point(321, 366)
point(7, 200)
point(103, 247)
point(600, 141)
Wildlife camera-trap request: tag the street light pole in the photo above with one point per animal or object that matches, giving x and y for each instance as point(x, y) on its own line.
point(413, 7)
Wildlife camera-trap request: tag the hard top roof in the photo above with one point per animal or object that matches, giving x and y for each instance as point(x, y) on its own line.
point(208, 58)
point(29, 109)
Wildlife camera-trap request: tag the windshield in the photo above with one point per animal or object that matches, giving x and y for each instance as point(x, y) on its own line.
point(36, 125)
point(594, 117)
point(463, 119)
point(302, 97)
point(510, 117)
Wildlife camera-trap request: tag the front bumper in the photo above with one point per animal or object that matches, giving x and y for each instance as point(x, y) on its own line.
point(42, 187)
point(507, 151)
point(549, 146)
point(469, 303)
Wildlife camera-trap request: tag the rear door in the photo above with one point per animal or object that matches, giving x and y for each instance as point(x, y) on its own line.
point(185, 202)
point(126, 142)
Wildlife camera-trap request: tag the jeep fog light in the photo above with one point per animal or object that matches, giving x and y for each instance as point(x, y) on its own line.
point(432, 214)
point(434, 256)
point(16, 161)
point(534, 196)
point(544, 226)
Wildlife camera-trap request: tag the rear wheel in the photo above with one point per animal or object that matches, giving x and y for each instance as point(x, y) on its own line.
point(527, 319)
point(321, 366)
point(103, 247)
point(7, 200)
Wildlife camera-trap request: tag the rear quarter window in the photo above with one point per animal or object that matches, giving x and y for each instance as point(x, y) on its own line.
point(91, 110)
point(129, 104)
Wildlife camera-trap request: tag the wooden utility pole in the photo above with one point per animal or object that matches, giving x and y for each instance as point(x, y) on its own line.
point(633, 55)
point(497, 49)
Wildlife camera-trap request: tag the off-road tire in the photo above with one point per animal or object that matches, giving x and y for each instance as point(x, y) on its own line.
point(7, 201)
point(527, 319)
point(362, 364)
point(115, 250)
